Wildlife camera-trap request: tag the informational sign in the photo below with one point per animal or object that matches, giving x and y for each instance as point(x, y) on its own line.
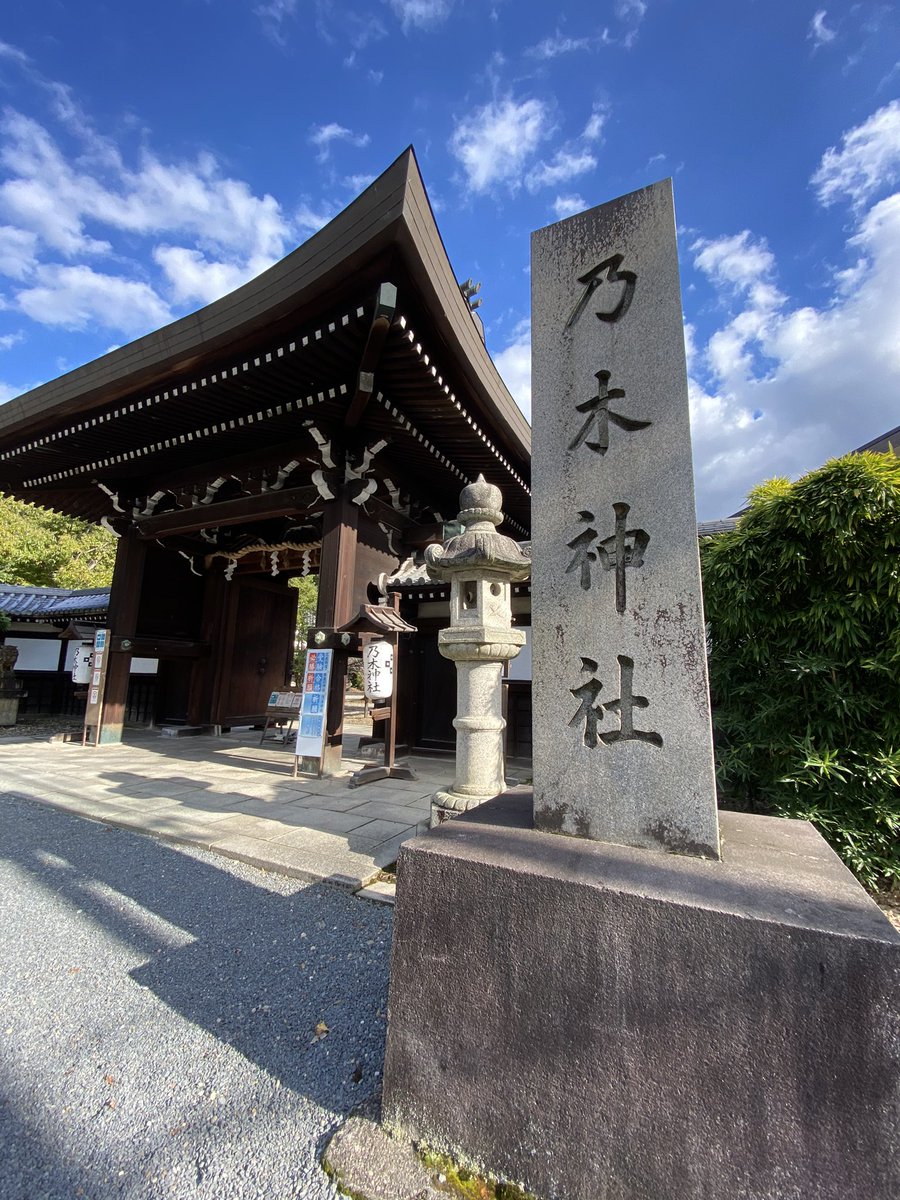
point(311, 730)
point(96, 685)
point(283, 704)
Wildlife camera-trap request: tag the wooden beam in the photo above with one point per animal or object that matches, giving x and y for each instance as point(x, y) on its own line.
point(241, 511)
point(385, 307)
point(378, 510)
point(298, 445)
point(150, 647)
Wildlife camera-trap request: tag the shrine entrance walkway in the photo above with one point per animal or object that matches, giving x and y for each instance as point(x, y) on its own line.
point(232, 796)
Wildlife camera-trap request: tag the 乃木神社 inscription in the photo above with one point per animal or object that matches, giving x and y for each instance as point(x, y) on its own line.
point(621, 723)
point(600, 415)
point(625, 548)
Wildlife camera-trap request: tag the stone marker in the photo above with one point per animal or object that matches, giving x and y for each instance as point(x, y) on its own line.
point(592, 1020)
point(622, 737)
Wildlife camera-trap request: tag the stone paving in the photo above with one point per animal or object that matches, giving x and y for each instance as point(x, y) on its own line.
point(232, 796)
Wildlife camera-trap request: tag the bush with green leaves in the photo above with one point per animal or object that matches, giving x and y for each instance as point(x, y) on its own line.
point(803, 603)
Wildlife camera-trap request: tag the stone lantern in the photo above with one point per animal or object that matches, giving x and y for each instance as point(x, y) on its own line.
point(481, 565)
point(10, 687)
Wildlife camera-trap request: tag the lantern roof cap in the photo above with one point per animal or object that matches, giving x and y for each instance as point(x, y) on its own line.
point(480, 501)
point(376, 618)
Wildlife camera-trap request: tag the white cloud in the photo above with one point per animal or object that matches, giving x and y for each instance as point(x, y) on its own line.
point(867, 161)
point(49, 197)
point(565, 165)
point(323, 135)
point(275, 14)
point(187, 225)
point(361, 29)
point(43, 194)
point(81, 298)
point(558, 44)
point(514, 365)
point(495, 142)
point(17, 251)
point(819, 32)
point(8, 340)
point(778, 389)
point(193, 278)
point(421, 14)
point(308, 220)
point(594, 128)
point(14, 53)
point(358, 183)
point(567, 206)
point(631, 13)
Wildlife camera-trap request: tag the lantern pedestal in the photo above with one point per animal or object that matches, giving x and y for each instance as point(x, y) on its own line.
point(479, 655)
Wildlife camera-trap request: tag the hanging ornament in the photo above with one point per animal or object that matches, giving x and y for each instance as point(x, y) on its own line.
point(81, 663)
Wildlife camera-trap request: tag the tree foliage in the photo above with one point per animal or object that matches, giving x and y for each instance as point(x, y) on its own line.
point(44, 549)
point(803, 602)
point(307, 603)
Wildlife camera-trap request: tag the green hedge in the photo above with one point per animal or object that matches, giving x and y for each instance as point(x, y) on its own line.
point(803, 603)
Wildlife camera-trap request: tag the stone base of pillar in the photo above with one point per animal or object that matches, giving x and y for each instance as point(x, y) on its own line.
point(608, 1021)
point(449, 804)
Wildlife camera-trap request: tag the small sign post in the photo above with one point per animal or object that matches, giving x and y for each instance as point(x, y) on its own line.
point(93, 713)
point(311, 727)
point(282, 710)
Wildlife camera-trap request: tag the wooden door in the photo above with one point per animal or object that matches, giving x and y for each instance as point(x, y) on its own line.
point(258, 648)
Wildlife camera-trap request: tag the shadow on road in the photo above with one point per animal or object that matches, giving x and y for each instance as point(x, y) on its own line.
point(264, 970)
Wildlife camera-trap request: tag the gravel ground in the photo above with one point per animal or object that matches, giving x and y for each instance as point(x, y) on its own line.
point(172, 1023)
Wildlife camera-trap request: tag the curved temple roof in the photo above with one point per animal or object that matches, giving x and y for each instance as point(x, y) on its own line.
point(362, 328)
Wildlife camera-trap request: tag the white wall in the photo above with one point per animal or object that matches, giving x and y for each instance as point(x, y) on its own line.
point(42, 654)
point(35, 654)
point(520, 666)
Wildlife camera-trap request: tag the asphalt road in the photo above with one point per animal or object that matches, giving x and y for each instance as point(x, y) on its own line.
point(172, 1023)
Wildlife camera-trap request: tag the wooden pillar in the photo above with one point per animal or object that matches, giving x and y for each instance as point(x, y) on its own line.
point(124, 602)
point(209, 669)
point(340, 523)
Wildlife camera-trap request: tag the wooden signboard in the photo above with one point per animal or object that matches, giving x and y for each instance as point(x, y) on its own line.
point(93, 713)
point(282, 710)
point(314, 703)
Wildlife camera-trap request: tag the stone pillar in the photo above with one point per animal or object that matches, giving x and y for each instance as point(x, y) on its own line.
point(481, 565)
point(623, 746)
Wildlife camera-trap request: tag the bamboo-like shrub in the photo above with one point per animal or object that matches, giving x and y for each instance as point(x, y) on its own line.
point(803, 603)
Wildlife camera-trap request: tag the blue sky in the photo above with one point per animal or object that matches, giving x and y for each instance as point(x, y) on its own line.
point(154, 157)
